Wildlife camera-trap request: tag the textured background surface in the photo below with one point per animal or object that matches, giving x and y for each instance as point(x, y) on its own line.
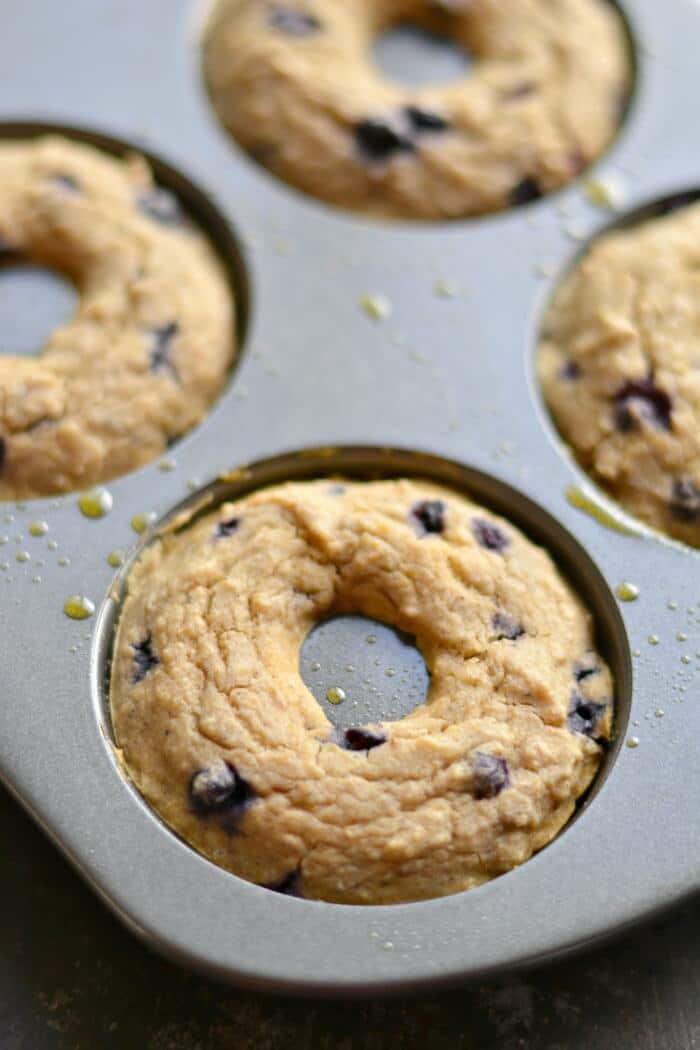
point(72, 979)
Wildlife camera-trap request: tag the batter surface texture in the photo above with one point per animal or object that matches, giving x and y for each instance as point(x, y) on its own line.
point(294, 82)
point(620, 368)
point(220, 734)
point(151, 340)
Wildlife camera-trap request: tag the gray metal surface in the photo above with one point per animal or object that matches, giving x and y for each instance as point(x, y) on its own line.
point(449, 376)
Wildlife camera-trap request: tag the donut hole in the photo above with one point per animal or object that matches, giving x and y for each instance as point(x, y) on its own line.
point(362, 671)
point(418, 57)
point(34, 301)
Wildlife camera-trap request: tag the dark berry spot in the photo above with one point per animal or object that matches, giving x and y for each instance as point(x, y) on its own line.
point(570, 370)
point(379, 141)
point(362, 739)
point(642, 398)
point(584, 715)
point(144, 658)
point(3, 452)
point(586, 669)
point(66, 182)
point(428, 515)
point(526, 190)
point(518, 91)
point(507, 627)
point(490, 775)
point(292, 22)
point(161, 206)
point(424, 119)
point(226, 528)
point(219, 789)
point(685, 501)
point(290, 885)
point(162, 344)
point(489, 535)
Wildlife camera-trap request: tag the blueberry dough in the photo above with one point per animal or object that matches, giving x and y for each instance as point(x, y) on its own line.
point(293, 81)
point(219, 732)
point(619, 365)
point(153, 335)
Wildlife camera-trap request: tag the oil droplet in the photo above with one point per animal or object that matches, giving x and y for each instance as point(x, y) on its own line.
point(671, 605)
point(4, 565)
point(377, 307)
point(315, 666)
point(95, 503)
point(9, 518)
point(636, 652)
point(388, 946)
point(167, 465)
point(390, 672)
point(78, 607)
point(653, 639)
point(141, 522)
point(63, 562)
point(627, 592)
point(445, 289)
point(335, 695)
point(3, 540)
point(22, 556)
point(52, 545)
point(685, 659)
point(371, 639)
point(632, 741)
point(38, 528)
point(682, 636)
point(193, 484)
point(582, 501)
point(349, 668)
point(543, 269)
point(20, 505)
point(36, 579)
point(73, 649)
point(659, 712)
point(115, 559)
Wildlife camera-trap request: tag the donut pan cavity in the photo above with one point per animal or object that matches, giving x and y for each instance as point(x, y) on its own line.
point(322, 388)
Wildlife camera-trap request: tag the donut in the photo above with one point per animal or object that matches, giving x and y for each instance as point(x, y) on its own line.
point(216, 728)
point(619, 368)
point(294, 83)
point(153, 334)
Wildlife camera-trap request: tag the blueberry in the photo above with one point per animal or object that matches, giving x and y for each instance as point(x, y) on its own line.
point(293, 22)
point(160, 205)
point(586, 669)
point(429, 515)
point(66, 181)
point(489, 535)
point(362, 739)
point(379, 141)
point(290, 885)
point(584, 715)
point(424, 119)
point(224, 529)
point(507, 627)
point(649, 400)
point(3, 452)
point(528, 189)
point(570, 370)
point(490, 775)
point(685, 501)
point(144, 658)
point(162, 344)
point(219, 789)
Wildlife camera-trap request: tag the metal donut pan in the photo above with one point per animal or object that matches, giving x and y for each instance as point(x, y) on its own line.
point(445, 387)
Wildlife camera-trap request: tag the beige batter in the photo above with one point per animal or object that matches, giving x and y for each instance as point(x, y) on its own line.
point(294, 82)
point(152, 337)
point(222, 737)
point(620, 368)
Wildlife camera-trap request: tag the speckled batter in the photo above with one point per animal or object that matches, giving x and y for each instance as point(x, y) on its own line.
point(620, 368)
point(151, 340)
point(294, 82)
point(221, 735)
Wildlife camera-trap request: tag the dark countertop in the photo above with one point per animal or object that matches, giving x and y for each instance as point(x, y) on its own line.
point(72, 979)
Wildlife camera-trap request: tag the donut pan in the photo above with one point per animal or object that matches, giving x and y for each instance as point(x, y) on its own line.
point(442, 387)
